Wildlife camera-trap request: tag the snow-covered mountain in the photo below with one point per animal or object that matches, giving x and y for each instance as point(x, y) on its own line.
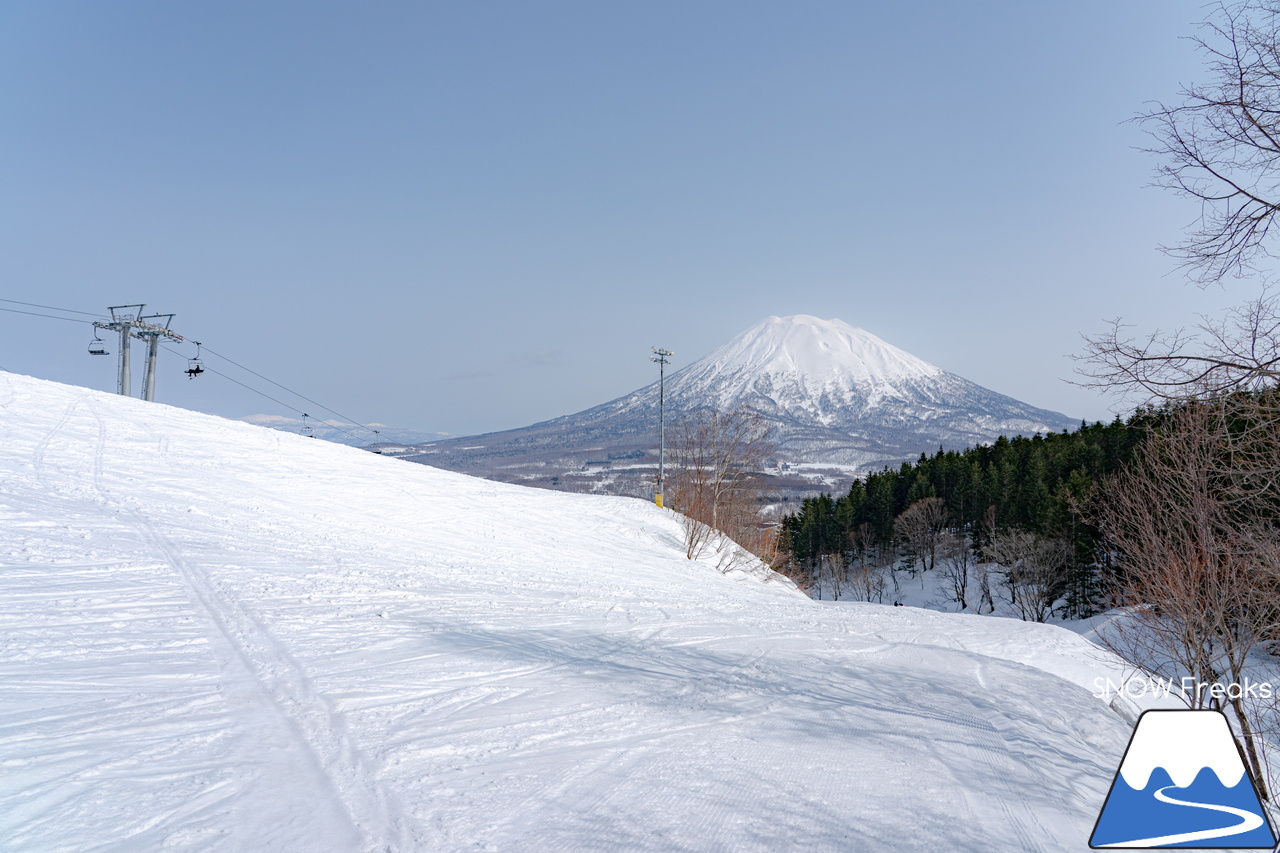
point(218, 637)
point(837, 396)
point(825, 383)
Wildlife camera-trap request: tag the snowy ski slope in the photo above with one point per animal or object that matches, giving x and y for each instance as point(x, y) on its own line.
point(218, 637)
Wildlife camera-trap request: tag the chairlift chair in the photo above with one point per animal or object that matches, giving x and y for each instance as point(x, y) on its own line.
point(97, 346)
point(306, 427)
point(194, 365)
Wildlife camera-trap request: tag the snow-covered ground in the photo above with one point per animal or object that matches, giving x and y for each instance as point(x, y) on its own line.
point(219, 637)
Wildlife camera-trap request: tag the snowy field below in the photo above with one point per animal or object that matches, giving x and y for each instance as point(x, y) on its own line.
point(219, 637)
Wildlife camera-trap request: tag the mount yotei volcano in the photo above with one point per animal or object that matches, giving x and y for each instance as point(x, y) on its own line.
point(839, 398)
point(840, 393)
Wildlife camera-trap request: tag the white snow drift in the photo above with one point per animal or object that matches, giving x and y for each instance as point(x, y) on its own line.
point(217, 637)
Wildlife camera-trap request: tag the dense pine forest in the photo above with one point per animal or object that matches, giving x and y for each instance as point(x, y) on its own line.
point(1023, 502)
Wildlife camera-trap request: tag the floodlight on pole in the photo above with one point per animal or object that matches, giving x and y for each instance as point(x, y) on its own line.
point(660, 356)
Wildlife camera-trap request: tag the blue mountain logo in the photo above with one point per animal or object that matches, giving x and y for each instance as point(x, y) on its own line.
point(1182, 783)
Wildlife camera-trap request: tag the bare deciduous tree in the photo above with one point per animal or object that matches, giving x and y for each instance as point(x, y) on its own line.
point(866, 566)
point(832, 575)
point(921, 527)
point(983, 571)
point(1240, 352)
point(715, 457)
point(1194, 525)
point(1035, 570)
point(957, 566)
point(1221, 145)
point(1196, 560)
point(784, 563)
point(867, 582)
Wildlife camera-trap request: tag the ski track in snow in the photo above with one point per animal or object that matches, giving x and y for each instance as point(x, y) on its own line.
point(215, 637)
point(349, 811)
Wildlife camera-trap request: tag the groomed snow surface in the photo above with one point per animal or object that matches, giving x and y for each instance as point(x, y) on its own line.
point(218, 637)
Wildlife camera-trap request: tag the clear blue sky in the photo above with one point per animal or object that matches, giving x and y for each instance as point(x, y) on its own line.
point(470, 216)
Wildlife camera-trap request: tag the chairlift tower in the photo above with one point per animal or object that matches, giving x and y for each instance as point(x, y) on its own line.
point(152, 333)
point(122, 323)
point(660, 356)
point(132, 324)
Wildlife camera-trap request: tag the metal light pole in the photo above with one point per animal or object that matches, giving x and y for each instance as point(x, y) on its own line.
point(660, 356)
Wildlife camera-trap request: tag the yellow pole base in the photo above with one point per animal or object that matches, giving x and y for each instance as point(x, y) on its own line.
point(658, 499)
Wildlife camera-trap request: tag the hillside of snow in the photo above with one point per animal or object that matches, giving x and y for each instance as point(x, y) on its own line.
point(220, 637)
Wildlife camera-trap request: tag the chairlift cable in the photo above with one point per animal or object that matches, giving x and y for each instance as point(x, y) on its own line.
point(295, 393)
point(209, 369)
point(53, 308)
point(262, 393)
point(50, 316)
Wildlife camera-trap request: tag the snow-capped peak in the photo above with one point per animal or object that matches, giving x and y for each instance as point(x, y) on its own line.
point(833, 393)
point(818, 350)
point(797, 360)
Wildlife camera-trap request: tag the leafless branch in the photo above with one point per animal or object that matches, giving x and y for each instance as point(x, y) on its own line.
point(1221, 145)
point(1196, 546)
point(1240, 352)
point(716, 458)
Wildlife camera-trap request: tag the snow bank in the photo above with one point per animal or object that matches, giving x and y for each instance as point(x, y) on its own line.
point(215, 636)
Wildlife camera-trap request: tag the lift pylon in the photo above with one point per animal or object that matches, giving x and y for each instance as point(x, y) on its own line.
point(132, 324)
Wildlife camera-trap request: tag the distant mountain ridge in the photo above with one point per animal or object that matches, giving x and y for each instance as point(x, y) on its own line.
point(838, 397)
point(341, 432)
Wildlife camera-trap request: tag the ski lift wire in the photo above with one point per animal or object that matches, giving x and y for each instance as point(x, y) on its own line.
point(206, 349)
point(50, 316)
point(52, 308)
point(262, 393)
point(291, 391)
